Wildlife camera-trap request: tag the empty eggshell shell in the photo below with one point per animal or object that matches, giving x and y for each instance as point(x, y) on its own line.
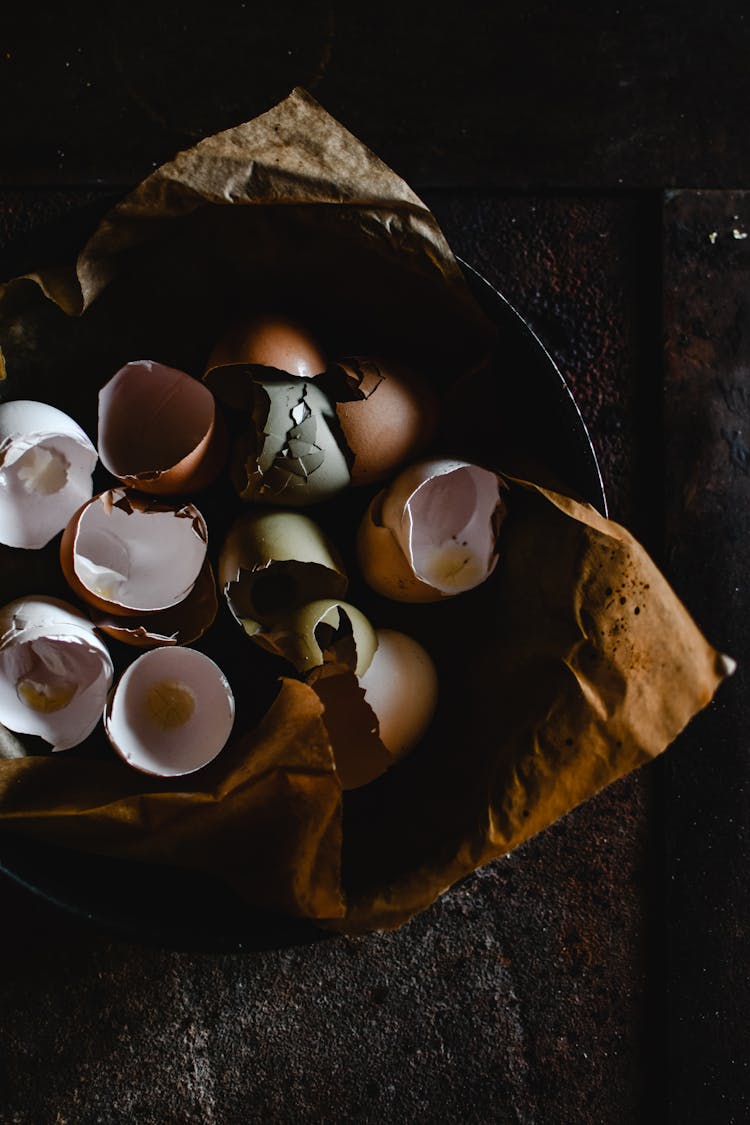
point(171, 712)
point(324, 631)
point(179, 625)
point(159, 429)
point(55, 672)
point(274, 561)
point(46, 462)
point(377, 718)
point(270, 340)
point(289, 455)
point(124, 553)
point(386, 411)
point(433, 532)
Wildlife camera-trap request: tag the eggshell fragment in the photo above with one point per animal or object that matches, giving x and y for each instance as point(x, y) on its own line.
point(179, 625)
point(433, 532)
point(387, 414)
point(270, 340)
point(171, 712)
point(159, 429)
point(274, 561)
point(46, 462)
point(322, 632)
point(124, 553)
point(289, 455)
point(55, 672)
point(377, 718)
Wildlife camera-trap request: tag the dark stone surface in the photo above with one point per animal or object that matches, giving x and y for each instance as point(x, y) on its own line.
point(615, 94)
point(707, 406)
point(530, 993)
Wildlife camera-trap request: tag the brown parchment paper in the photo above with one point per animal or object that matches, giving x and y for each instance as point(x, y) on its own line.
point(573, 664)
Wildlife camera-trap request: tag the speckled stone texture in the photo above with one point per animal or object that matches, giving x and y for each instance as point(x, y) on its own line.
point(707, 410)
point(532, 992)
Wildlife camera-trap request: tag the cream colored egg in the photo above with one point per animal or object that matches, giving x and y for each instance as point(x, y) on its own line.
point(322, 632)
point(275, 560)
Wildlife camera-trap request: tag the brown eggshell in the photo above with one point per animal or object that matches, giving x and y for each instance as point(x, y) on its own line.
point(125, 498)
point(387, 412)
point(383, 564)
point(160, 430)
point(270, 341)
point(352, 727)
point(179, 625)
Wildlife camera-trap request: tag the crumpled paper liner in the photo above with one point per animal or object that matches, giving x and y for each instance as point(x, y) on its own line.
point(572, 665)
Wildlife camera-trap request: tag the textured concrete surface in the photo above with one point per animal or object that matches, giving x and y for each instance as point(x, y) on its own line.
point(707, 410)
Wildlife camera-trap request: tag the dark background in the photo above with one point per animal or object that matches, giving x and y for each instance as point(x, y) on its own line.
point(591, 161)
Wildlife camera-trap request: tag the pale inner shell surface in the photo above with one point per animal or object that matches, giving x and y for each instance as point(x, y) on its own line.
point(54, 687)
point(143, 560)
point(448, 528)
point(150, 418)
point(171, 712)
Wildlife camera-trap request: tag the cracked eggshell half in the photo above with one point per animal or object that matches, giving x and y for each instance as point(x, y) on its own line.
point(433, 532)
point(290, 454)
point(171, 712)
point(387, 412)
point(273, 561)
point(322, 632)
point(55, 672)
point(179, 625)
point(377, 718)
point(270, 340)
point(124, 553)
point(160, 430)
point(46, 462)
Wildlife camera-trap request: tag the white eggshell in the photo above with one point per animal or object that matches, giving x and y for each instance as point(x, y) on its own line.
point(46, 462)
point(401, 687)
point(133, 555)
point(192, 723)
point(433, 532)
point(49, 652)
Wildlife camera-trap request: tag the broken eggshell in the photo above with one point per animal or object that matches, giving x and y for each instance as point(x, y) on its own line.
point(46, 462)
point(273, 561)
point(270, 340)
point(322, 632)
point(289, 454)
point(171, 712)
point(433, 532)
point(179, 625)
point(376, 718)
point(387, 413)
point(159, 429)
point(124, 553)
point(55, 672)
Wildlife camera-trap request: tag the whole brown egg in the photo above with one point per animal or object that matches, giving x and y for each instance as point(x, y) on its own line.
point(270, 340)
point(387, 413)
